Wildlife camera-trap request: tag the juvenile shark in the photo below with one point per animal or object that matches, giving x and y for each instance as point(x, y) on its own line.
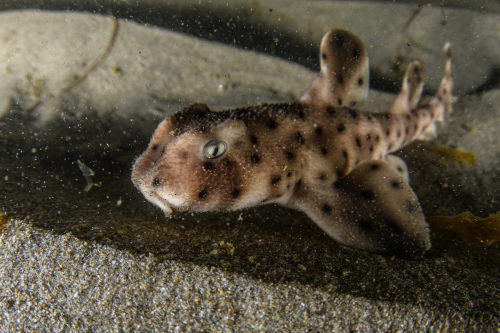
point(317, 155)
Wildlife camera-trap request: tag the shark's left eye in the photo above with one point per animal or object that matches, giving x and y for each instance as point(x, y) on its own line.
point(214, 149)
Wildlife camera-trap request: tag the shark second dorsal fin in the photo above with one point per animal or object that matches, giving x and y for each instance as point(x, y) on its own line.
point(411, 90)
point(372, 208)
point(344, 76)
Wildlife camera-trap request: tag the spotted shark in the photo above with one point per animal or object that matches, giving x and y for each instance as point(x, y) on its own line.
point(318, 155)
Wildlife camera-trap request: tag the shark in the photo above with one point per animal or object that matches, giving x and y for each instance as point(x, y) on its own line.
point(318, 155)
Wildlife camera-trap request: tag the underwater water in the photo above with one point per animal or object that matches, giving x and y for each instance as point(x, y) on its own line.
point(81, 95)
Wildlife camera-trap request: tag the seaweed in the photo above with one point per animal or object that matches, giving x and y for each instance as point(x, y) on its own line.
point(474, 230)
point(456, 155)
point(3, 220)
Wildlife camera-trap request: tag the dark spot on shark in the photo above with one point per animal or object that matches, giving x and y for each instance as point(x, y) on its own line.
point(353, 114)
point(355, 55)
point(235, 193)
point(322, 176)
point(358, 142)
point(365, 225)
point(330, 110)
point(340, 101)
point(300, 139)
point(318, 130)
point(339, 38)
point(289, 155)
point(202, 194)
point(155, 147)
point(207, 166)
point(253, 139)
point(275, 180)
point(324, 151)
point(360, 82)
point(255, 159)
point(156, 182)
point(393, 226)
point(395, 184)
point(271, 124)
point(341, 128)
point(327, 209)
point(367, 194)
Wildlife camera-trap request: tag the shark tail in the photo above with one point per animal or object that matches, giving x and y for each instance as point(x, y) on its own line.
point(440, 104)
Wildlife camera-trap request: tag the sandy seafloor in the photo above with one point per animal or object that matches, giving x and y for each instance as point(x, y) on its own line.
point(106, 260)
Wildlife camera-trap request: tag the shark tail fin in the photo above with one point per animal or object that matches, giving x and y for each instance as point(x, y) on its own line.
point(441, 102)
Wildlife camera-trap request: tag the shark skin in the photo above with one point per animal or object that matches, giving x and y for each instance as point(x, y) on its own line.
point(317, 155)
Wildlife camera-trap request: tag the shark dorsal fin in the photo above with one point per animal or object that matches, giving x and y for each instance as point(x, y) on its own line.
point(344, 76)
point(411, 89)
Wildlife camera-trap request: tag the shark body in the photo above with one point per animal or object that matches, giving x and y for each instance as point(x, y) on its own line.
point(318, 155)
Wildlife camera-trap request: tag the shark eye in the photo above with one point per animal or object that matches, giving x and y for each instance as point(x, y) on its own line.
point(214, 149)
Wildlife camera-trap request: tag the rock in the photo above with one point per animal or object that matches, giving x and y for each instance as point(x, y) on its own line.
point(395, 33)
point(148, 71)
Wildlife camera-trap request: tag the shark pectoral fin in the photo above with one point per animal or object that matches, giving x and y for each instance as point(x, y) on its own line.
point(373, 208)
point(411, 90)
point(344, 76)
